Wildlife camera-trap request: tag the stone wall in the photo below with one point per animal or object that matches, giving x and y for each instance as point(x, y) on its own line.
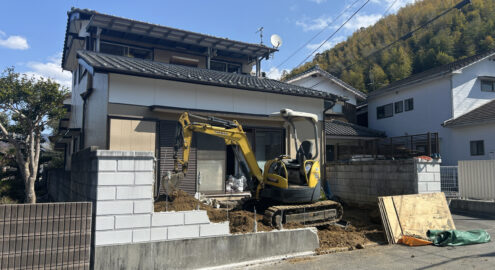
point(120, 185)
point(361, 182)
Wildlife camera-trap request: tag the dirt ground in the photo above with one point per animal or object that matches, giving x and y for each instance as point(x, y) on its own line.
point(363, 227)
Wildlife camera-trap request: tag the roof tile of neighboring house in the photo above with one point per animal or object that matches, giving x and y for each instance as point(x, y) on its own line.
point(484, 113)
point(339, 128)
point(147, 68)
point(433, 72)
point(317, 69)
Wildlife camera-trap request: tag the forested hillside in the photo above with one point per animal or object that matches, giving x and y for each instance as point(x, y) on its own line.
point(459, 34)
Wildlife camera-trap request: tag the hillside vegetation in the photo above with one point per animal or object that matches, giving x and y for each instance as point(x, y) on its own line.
point(459, 34)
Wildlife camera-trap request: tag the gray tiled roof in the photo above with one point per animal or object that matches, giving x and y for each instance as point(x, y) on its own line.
point(433, 72)
point(156, 32)
point(147, 68)
point(339, 128)
point(484, 113)
point(327, 74)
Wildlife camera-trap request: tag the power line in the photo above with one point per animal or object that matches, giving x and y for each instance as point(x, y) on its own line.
point(383, 15)
point(389, 7)
point(409, 34)
point(317, 34)
point(340, 27)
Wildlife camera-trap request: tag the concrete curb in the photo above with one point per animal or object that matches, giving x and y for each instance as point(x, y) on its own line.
point(473, 207)
point(209, 252)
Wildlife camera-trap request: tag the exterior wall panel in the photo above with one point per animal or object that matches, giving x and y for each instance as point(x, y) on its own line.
point(148, 92)
point(132, 135)
point(466, 87)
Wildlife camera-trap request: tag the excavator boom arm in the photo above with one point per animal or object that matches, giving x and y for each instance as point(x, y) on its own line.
point(231, 132)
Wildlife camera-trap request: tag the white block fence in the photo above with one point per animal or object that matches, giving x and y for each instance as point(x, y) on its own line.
point(120, 183)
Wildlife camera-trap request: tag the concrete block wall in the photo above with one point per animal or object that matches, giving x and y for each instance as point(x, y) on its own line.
point(428, 175)
point(124, 208)
point(120, 185)
point(362, 182)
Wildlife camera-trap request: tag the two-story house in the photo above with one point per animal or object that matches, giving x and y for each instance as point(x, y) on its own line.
point(132, 80)
point(344, 138)
point(456, 100)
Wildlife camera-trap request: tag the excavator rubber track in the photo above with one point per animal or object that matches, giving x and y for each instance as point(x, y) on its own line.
point(310, 215)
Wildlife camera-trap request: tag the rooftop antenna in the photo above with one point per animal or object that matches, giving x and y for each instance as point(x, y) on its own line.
point(260, 30)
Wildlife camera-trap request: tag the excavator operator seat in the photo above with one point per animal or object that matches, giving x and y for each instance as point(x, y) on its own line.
point(304, 152)
point(295, 167)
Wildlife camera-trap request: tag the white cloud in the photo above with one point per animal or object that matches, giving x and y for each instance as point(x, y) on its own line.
point(362, 21)
point(396, 6)
point(314, 24)
point(318, 1)
point(50, 69)
point(13, 42)
point(275, 73)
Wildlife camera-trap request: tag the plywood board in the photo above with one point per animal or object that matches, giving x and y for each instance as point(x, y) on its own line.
point(420, 213)
point(392, 219)
point(414, 215)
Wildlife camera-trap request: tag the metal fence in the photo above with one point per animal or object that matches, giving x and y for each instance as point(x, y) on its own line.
point(449, 181)
point(477, 179)
point(409, 146)
point(45, 236)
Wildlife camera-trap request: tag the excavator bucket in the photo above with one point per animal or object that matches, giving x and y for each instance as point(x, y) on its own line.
point(171, 181)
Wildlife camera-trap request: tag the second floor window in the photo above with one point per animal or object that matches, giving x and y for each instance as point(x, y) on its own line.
point(409, 104)
point(124, 50)
point(477, 148)
point(225, 67)
point(399, 106)
point(487, 86)
point(385, 111)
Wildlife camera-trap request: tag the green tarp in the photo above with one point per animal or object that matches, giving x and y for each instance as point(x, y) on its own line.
point(458, 238)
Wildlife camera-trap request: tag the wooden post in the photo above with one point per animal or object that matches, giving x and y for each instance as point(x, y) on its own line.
point(391, 146)
point(429, 143)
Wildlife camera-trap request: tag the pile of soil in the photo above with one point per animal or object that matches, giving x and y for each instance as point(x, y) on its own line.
point(181, 201)
point(364, 227)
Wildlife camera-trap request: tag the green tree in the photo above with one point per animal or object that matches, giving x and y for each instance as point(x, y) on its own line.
point(401, 66)
point(443, 58)
point(28, 104)
point(355, 78)
point(377, 77)
point(487, 43)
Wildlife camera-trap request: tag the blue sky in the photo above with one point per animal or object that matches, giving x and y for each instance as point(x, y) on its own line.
point(32, 32)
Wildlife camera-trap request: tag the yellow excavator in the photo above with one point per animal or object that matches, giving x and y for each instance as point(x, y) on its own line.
point(291, 186)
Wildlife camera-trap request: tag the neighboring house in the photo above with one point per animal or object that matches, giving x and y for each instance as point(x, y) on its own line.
point(132, 80)
point(344, 137)
point(319, 79)
point(455, 100)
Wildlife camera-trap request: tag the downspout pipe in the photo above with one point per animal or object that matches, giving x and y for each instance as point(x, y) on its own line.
point(326, 186)
point(85, 96)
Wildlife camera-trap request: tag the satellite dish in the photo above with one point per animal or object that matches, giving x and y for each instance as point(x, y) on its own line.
point(276, 41)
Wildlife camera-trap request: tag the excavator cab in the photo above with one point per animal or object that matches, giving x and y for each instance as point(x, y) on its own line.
point(294, 180)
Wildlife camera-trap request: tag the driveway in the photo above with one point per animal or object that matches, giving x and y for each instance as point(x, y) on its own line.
point(480, 256)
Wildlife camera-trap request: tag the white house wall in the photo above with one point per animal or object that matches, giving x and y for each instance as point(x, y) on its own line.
point(323, 84)
point(96, 112)
point(466, 86)
point(461, 137)
point(432, 106)
point(76, 101)
point(147, 92)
